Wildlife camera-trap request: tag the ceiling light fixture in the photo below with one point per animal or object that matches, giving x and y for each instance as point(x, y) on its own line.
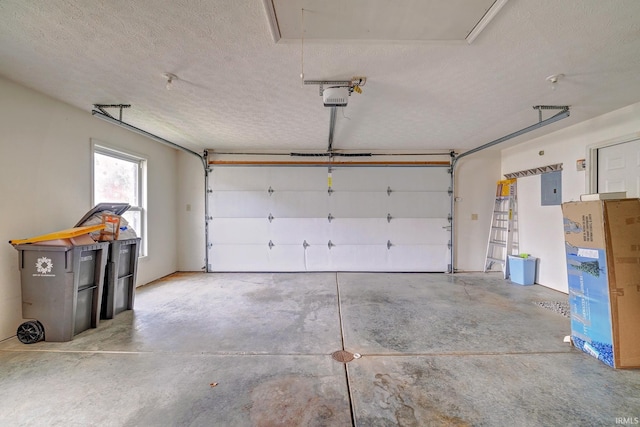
point(170, 78)
point(554, 79)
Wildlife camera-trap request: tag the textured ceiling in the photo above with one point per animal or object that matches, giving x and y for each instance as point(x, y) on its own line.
point(239, 90)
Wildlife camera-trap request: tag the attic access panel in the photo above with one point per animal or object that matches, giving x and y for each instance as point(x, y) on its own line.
point(381, 20)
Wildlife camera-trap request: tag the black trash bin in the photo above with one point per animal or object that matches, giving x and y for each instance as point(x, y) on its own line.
point(61, 288)
point(120, 277)
point(122, 266)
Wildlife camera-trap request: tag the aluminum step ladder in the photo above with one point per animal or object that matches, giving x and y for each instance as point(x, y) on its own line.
point(503, 235)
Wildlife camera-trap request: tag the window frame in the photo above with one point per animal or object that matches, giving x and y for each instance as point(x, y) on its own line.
point(141, 161)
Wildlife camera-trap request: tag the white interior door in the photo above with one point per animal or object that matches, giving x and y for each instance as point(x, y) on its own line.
point(286, 219)
point(619, 168)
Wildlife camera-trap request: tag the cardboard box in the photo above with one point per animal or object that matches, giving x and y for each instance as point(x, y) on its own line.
point(602, 242)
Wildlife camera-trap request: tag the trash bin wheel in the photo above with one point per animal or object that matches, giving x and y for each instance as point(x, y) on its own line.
point(30, 332)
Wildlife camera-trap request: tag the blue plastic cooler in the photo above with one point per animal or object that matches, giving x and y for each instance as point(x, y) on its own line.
point(522, 270)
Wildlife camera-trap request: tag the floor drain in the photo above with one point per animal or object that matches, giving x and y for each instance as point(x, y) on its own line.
point(342, 356)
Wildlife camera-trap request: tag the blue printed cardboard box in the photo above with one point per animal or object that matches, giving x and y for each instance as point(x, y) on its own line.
point(602, 243)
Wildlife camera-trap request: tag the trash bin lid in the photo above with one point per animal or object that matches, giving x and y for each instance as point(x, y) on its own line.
point(116, 208)
point(62, 234)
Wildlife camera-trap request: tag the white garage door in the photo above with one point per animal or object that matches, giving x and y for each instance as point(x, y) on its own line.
point(619, 168)
point(286, 219)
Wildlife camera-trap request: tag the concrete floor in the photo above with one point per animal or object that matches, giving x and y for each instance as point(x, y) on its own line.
point(255, 349)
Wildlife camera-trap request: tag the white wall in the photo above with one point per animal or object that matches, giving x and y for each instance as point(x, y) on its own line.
point(45, 184)
point(191, 239)
point(476, 178)
point(541, 230)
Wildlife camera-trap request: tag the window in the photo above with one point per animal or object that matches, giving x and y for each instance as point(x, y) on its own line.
point(120, 177)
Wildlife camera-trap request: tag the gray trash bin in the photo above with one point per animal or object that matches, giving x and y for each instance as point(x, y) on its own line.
point(120, 277)
point(122, 266)
point(61, 289)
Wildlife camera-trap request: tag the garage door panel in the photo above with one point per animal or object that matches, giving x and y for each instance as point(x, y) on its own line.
point(420, 179)
point(240, 258)
point(416, 231)
point(318, 257)
point(359, 179)
point(427, 258)
point(298, 178)
point(398, 179)
point(287, 258)
point(240, 204)
point(419, 205)
point(239, 179)
point(358, 231)
point(358, 258)
point(240, 231)
point(263, 178)
point(257, 258)
point(358, 204)
point(299, 204)
point(297, 230)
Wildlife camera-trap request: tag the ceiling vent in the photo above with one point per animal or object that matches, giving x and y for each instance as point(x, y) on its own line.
point(335, 96)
